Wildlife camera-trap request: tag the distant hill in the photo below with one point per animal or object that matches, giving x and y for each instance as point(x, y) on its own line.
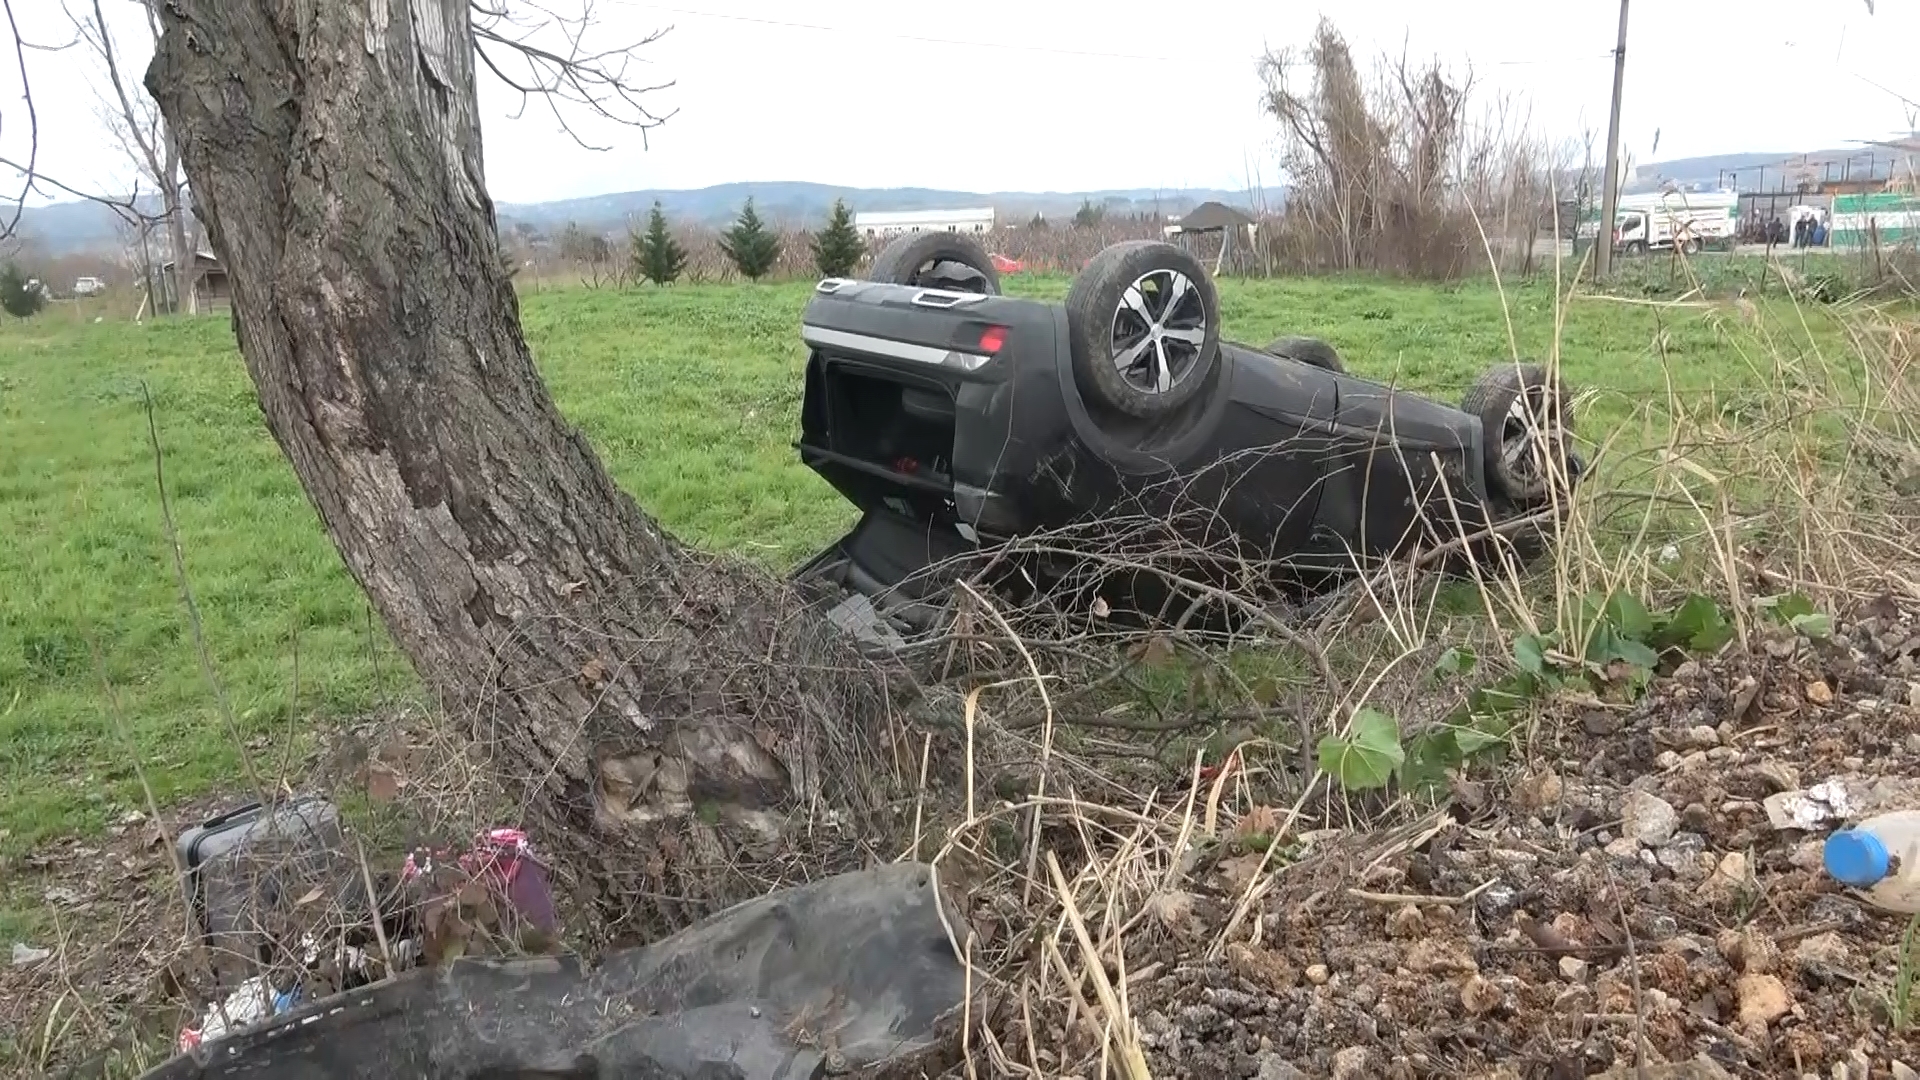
point(67, 227)
point(76, 227)
point(1708, 170)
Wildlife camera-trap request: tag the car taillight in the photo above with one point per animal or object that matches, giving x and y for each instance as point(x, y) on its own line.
point(992, 339)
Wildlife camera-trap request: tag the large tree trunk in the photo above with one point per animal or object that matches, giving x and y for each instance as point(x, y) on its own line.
point(668, 717)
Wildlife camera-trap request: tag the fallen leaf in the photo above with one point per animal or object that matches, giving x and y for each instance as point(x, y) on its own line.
point(1152, 652)
point(383, 784)
point(313, 894)
point(1259, 821)
point(1239, 870)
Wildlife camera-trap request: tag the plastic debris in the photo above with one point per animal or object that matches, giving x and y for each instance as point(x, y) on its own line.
point(25, 955)
point(1820, 805)
point(251, 1002)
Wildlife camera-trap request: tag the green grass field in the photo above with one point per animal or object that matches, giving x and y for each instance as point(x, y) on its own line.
point(691, 395)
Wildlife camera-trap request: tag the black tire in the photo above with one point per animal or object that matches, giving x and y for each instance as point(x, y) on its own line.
point(936, 260)
point(1693, 245)
point(1636, 248)
point(1310, 351)
point(1154, 303)
point(1524, 417)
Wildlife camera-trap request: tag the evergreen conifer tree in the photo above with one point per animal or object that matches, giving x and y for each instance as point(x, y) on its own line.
point(20, 296)
point(657, 256)
point(838, 247)
point(749, 245)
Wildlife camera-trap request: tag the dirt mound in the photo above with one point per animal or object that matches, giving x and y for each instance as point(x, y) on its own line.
point(1624, 883)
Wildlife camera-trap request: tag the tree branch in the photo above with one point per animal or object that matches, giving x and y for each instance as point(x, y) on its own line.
point(33, 124)
point(596, 80)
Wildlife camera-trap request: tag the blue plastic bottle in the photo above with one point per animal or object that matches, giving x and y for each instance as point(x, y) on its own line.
point(1879, 857)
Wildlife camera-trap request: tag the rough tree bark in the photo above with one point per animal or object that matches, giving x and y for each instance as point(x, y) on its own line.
point(669, 718)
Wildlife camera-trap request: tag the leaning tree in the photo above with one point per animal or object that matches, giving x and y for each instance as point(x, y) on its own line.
point(666, 718)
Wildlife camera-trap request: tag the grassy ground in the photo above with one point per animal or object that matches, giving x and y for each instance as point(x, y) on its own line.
point(692, 396)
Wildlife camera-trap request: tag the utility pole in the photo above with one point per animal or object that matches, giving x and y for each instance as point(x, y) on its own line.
point(1610, 195)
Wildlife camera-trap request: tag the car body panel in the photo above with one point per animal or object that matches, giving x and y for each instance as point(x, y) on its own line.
point(907, 410)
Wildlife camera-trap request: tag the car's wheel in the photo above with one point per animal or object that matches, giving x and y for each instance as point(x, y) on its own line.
point(1310, 351)
point(1693, 245)
point(936, 260)
point(1145, 323)
point(1636, 248)
point(1524, 418)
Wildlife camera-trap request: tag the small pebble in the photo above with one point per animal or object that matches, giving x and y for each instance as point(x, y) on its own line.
point(1317, 974)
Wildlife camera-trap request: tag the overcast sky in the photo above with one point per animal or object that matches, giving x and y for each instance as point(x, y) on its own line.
point(1081, 94)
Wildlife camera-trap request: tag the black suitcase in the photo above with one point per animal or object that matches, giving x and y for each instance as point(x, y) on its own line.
point(248, 872)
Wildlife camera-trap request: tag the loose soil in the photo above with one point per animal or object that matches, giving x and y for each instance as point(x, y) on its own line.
point(1616, 895)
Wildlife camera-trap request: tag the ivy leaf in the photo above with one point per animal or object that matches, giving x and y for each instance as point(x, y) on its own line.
point(1789, 606)
point(1456, 661)
point(1697, 624)
point(1483, 732)
point(1635, 654)
point(1430, 755)
point(1367, 756)
point(1630, 617)
point(1530, 653)
point(1814, 625)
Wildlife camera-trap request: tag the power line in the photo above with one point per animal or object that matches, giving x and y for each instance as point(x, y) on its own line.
point(862, 31)
point(922, 38)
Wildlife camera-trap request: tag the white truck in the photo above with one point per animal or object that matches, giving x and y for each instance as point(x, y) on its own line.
point(1687, 219)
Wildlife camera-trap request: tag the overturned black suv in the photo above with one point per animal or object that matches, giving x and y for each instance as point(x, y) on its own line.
point(955, 417)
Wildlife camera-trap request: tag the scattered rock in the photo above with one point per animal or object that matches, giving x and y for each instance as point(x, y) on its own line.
point(1538, 791)
point(1733, 869)
point(1600, 722)
point(1649, 819)
point(62, 896)
point(1820, 693)
point(1406, 922)
point(1317, 974)
point(1823, 956)
point(1573, 969)
point(1750, 951)
point(1763, 999)
point(25, 955)
point(1433, 956)
point(1353, 1063)
point(1903, 1071)
point(1574, 999)
point(1702, 736)
point(1275, 1067)
point(1479, 996)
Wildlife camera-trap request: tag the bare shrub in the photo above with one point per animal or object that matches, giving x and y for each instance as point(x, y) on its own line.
point(1397, 171)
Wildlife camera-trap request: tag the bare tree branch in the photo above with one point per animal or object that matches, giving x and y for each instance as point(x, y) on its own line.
point(570, 73)
point(534, 49)
point(33, 124)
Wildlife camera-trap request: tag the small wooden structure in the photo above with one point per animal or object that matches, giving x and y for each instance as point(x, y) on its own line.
point(1231, 223)
point(211, 289)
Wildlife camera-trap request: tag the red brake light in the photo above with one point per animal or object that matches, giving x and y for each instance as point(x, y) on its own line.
point(992, 339)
